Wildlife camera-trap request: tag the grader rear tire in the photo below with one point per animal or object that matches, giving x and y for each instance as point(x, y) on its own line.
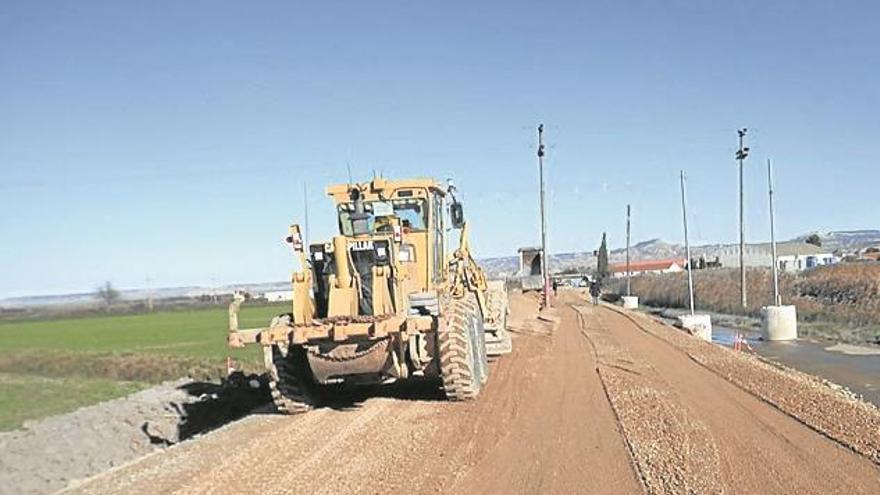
point(479, 337)
point(286, 379)
point(461, 361)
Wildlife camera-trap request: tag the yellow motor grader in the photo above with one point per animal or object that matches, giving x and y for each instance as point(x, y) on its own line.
point(386, 299)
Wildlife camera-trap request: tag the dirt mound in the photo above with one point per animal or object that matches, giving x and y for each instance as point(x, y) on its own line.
point(46, 455)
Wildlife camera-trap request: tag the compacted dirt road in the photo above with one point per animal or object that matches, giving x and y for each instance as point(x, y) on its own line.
point(588, 402)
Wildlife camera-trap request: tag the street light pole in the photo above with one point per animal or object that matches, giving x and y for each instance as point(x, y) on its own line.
point(544, 268)
point(741, 155)
point(628, 273)
point(776, 300)
point(687, 244)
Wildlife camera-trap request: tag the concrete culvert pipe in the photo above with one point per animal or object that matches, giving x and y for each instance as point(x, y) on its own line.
point(779, 323)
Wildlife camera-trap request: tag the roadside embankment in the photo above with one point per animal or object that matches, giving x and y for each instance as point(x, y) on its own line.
point(854, 367)
point(819, 404)
point(44, 456)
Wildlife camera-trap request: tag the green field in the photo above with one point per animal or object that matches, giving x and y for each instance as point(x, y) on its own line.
point(54, 366)
point(25, 396)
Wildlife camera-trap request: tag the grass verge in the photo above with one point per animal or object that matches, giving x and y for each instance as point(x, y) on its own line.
point(54, 366)
point(28, 397)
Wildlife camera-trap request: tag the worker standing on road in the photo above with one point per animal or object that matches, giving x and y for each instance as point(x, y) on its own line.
point(555, 286)
point(595, 290)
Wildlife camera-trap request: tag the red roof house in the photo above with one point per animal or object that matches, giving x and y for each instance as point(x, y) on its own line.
point(649, 266)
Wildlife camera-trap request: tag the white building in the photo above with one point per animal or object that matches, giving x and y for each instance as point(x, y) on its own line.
point(790, 256)
point(278, 295)
point(795, 262)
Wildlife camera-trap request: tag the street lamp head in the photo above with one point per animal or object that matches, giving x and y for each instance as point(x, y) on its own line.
point(450, 186)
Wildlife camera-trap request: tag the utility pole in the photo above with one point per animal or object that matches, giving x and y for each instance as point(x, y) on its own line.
point(628, 275)
point(776, 300)
point(544, 267)
point(687, 245)
point(741, 155)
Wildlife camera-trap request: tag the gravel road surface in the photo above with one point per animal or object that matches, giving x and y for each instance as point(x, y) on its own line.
point(589, 402)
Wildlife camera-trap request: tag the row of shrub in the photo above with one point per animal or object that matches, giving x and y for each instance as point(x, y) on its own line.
point(844, 293)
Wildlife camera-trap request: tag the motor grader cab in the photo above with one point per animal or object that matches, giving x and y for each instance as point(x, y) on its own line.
point(385, 299)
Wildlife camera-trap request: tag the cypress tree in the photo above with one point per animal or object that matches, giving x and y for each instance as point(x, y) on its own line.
point(602, 259)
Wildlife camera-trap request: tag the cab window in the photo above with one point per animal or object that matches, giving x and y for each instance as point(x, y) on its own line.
point(412, 213)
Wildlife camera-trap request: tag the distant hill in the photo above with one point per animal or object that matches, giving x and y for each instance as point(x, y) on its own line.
point(86, 298)
point(584, 261)
point(846, 240)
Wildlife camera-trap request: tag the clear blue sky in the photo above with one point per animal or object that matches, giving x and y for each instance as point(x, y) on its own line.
point(172, 139)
